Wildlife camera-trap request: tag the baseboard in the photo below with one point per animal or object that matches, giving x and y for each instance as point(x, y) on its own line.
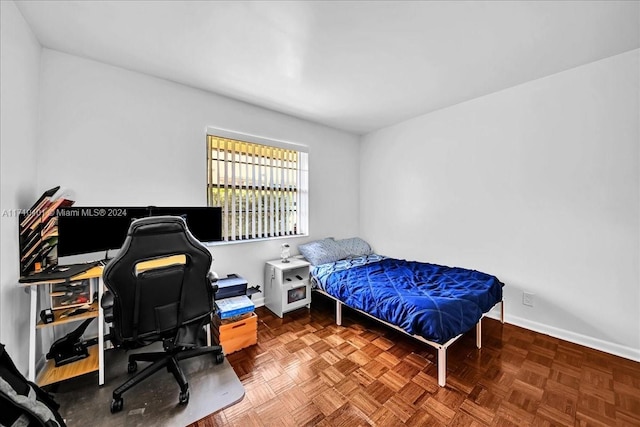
point(258, 302)
point(587, 341)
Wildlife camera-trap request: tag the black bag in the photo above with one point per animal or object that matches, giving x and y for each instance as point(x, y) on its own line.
point(23, 403)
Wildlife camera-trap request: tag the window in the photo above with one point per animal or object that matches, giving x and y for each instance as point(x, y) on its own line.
point(262, 189)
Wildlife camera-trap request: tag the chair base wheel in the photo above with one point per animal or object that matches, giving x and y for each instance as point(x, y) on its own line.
point(117, 405)
point(184, 397)
point(132, 367)
point(219, 358)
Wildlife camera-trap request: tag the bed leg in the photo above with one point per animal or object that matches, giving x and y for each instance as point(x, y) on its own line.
point(479, 334)
point(338, 313)
point(442, 366)
point(502, 311)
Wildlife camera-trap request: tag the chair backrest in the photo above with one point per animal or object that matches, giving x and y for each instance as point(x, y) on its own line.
point(152, 302)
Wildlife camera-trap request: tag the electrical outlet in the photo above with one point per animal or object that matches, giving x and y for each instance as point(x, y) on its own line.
point(527, 299)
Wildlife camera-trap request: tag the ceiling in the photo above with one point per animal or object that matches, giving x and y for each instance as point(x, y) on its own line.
point(357, 66)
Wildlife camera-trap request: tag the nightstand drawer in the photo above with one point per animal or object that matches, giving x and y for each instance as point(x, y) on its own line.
point(234, 336)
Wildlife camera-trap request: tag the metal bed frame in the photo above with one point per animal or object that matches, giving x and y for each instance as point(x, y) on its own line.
point(442, 348)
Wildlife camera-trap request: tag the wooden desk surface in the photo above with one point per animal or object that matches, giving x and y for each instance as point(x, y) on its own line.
point(96, 272)
point(92, 273)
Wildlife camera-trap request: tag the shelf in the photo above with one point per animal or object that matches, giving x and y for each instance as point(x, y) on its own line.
point(52, 374)
point(295, 275)
point(58, 321)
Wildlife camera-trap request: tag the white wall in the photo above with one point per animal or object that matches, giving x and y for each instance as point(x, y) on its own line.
point(538, 184)
point(120, 138)
point(19, 76)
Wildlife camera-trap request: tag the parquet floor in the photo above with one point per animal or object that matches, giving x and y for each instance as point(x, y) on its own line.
point(305, 370)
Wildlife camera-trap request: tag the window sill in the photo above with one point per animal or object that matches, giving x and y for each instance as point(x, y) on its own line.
point(262, 239)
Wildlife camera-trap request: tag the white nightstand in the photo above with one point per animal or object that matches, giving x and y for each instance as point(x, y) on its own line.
point(286, 285)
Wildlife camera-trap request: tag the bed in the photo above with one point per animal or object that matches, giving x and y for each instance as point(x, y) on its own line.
point(433, 303)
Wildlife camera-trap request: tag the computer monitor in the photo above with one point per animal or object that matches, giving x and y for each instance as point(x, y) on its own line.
point(84, 230)
point(205, 223)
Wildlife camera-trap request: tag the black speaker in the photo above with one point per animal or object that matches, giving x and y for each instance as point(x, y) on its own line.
point(46, 315)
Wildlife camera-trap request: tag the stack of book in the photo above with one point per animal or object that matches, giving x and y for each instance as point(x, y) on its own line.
point(234, 307)
point(235, 325)
point(38, 230)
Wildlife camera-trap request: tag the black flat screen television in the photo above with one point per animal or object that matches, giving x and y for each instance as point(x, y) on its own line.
point(205, 223)
point(84, 230)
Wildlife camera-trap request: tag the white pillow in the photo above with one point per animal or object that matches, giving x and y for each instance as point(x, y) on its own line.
point(355, 247)
point(322, 251)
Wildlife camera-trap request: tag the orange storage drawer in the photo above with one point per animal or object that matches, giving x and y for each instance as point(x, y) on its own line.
point(234, 336)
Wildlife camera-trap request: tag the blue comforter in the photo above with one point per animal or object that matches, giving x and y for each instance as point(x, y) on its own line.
point(433, 301)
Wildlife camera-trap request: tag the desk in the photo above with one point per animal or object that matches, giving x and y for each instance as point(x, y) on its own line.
point(95, 362)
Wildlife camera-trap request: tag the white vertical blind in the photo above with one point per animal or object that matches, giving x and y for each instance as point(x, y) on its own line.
point(271, 194)
point(225, 193)
point(233, 165)
point(262, 189)
point(302, 192)
point(254, 199)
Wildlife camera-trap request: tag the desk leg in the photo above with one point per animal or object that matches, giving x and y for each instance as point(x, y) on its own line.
point(33, 291)
point(100, 332)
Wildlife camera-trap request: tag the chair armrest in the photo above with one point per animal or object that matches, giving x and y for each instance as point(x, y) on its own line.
point(107, 306)
point(213, 278)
